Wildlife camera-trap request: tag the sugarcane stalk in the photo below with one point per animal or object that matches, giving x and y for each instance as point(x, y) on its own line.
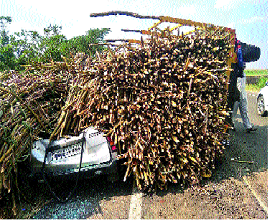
point(21, 101)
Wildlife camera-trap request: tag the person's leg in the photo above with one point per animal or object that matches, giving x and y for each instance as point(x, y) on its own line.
point(243, 107)
point(234, 112)
point(244, 113)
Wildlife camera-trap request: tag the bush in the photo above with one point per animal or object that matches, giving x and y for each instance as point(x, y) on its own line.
point(262, 81)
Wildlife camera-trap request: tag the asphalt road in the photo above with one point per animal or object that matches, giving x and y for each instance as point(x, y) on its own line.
point(238, 188)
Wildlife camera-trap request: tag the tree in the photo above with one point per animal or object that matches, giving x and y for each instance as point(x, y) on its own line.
point(52, 30)
point(51, 44)
point(82, 43)
point(56, 45)
point(7, 57)
point(26, 47)
point(4, 38)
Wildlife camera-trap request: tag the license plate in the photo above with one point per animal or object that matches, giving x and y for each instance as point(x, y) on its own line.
point(66, 152)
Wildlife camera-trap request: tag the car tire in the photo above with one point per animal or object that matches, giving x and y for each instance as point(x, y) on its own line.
point(261, 106)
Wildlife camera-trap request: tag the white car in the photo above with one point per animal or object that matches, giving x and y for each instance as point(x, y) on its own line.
point(89, 152)
point(263, 100)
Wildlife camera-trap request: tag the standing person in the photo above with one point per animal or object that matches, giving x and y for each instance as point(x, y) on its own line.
point(242, 104)
point(237, 96)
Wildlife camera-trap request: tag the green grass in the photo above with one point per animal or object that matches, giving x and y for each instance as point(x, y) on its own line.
point(256, 72)
point(252, 88)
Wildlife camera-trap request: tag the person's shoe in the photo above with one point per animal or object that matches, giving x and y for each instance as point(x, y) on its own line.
point(248, 130)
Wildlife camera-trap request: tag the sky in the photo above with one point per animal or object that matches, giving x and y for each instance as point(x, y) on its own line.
point(248, 17)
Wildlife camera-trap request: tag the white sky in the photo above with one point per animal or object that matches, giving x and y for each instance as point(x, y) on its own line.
point(248, 17)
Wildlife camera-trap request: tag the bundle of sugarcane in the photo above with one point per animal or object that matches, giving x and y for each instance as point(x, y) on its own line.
point(163, 104)
point(30, 104)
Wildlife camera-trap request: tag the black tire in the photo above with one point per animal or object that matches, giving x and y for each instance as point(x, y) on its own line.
point(261, 106)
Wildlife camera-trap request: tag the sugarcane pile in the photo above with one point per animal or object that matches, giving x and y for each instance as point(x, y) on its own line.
point(30, 103)
point(163, 104)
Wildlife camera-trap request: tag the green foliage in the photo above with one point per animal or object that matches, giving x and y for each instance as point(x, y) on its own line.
point(53, 48)
point(262, 81)
point(7, 58)
point(82, 43)
point(52, 30)
point(4, 38)
point(256, 72)
point(28, 47)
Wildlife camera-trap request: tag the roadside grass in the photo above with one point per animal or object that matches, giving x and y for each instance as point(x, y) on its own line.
point(256, 72)
point(252, 88)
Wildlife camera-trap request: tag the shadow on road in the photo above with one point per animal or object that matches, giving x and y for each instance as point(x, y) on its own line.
point(86, 201)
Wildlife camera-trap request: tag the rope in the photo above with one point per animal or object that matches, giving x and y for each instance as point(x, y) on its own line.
point(76, 184)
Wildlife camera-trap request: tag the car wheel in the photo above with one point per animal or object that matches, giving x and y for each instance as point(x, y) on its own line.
point(260, 106)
